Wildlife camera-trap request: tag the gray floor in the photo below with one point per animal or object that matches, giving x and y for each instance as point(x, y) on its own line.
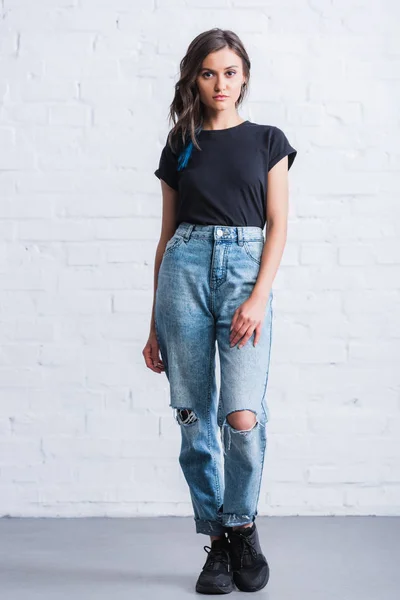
point(324, 558)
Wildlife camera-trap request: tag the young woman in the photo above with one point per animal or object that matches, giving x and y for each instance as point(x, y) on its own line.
point(223, 178)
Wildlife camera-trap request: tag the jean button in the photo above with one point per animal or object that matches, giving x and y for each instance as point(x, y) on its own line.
point(219, 232)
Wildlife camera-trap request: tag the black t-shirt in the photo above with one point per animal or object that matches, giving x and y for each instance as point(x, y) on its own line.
point(225, 183)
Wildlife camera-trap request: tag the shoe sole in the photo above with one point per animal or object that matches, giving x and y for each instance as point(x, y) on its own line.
point(214, 590)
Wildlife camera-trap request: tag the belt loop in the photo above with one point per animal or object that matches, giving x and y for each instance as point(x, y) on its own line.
point(240, 236)
point(188, 232)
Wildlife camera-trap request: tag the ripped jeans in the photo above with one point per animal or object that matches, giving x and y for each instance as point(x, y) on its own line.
point(206, 272)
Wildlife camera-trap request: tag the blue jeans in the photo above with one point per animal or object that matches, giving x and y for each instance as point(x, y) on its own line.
point(206, 272)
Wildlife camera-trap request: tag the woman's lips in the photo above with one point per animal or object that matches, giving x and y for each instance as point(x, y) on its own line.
point(220, 97)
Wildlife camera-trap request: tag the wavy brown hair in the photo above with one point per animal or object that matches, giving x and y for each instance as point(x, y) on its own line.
point(186, 110)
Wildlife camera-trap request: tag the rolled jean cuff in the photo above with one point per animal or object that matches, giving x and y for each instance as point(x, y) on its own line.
point(232, 520)
point(209, 527)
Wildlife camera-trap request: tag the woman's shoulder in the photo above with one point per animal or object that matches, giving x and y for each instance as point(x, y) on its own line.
point(269, 135)
point(266, 128)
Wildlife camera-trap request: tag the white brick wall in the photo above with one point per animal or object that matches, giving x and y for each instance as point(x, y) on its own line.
point(85, 85)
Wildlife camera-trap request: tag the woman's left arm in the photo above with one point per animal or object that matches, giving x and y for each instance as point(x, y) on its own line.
point(277, 218)
point(249, 316)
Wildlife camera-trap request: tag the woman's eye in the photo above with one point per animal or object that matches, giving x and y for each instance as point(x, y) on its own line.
point(209, 73)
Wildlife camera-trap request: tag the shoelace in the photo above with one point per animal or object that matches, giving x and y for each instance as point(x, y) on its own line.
point(219, 555)
point(246, 548)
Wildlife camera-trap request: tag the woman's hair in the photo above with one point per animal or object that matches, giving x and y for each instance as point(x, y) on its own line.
point(186, 109)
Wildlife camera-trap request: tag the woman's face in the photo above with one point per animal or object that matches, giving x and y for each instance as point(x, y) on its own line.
point(220, 73)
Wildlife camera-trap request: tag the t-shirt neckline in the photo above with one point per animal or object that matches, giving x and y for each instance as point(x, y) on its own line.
point(221, 131)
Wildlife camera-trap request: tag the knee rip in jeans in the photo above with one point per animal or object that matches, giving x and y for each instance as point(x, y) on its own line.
point(233, 423)
point(185, 416)
point(230, 432)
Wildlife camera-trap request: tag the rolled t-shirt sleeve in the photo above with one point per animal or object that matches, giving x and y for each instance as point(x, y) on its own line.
point(167, 168)
point(279, 147)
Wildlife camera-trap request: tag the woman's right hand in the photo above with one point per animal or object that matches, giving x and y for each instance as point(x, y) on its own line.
point(151, 353)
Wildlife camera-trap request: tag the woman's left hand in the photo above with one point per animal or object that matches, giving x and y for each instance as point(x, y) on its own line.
point(247, 318)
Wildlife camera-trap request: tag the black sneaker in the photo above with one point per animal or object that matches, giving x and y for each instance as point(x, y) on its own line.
point(250, 567)
point(216, 576)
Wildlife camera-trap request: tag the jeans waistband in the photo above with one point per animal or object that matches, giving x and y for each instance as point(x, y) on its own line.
point(220, 232)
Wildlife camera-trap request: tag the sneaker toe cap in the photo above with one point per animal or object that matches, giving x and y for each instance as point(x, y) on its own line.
point(214, 584)
point(253, 578)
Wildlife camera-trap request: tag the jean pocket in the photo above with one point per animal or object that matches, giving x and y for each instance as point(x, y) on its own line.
point(173, 243)
point(254, 249)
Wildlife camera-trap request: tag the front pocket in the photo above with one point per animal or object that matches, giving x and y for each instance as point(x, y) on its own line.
point(173, 243)
point(254, 248)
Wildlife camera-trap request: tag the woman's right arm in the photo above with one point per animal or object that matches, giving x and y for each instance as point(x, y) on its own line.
point(168, 227)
